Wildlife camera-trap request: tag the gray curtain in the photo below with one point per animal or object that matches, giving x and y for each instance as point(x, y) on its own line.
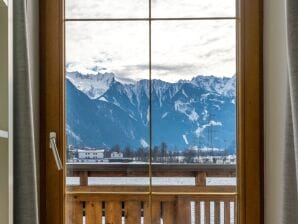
point(290, 207)
point(25, 112)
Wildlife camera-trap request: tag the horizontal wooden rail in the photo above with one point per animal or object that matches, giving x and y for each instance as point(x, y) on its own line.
point(199, 172)
point(142, 170)
point(173, 189)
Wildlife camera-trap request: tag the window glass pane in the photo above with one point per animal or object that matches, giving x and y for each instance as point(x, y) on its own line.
point(106, 9)
point(185, 49)
point(107, 99)
point(193, 8)
point(193, 96)
point(119, 48)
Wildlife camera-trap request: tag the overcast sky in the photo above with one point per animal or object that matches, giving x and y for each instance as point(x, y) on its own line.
point(180, 49)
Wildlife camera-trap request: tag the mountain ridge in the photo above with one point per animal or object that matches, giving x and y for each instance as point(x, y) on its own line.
point(184, 114)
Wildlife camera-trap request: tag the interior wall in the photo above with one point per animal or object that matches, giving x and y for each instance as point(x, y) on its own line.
point(3, 112)
point(3, 66)
point(274, 106)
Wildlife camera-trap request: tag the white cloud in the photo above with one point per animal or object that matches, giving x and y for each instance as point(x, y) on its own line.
point(193, 48)
point(140, 8)
point(193, 8)
point(180, 49)
point(106, 8)
point(120, 47)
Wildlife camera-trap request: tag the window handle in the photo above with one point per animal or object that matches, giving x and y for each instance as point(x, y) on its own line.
point(55, 152)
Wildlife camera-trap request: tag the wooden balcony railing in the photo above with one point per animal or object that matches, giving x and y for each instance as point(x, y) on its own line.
point(130, 204)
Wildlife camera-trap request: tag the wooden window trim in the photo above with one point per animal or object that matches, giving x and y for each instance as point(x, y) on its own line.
point(250, 111)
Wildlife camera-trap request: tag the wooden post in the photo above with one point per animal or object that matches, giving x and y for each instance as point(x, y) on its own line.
point(93, 212)
point(132, 212)
point(74, 212)
point(152, 215)
point(183, 211)
point(227, 212)
point(113, 212)
point(84, 178)
point(201, 179)
point(198, 212)
point(169, 215)
point(207, 212)
point(216, 212)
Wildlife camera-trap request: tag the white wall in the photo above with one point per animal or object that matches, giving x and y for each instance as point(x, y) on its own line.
point(275, 103)
point(3, 112)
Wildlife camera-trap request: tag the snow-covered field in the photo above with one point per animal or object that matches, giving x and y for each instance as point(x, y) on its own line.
point(143, 181)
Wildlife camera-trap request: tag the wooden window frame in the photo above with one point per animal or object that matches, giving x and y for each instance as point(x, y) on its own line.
point(250, 111)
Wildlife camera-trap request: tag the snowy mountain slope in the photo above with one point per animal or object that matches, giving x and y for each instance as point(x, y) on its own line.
point(200, 112)
point(92, 85)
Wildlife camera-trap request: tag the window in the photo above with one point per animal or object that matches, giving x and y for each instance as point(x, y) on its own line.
point(162, 127)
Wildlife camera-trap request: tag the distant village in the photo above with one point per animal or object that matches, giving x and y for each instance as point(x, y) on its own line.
point(141, 155)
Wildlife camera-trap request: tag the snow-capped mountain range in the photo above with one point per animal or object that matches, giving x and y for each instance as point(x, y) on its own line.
point(104, 110)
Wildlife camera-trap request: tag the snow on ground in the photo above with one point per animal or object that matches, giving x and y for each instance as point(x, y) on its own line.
point(185, 139)
point(144, 143)
point(164, 115)
point(187, 109)
point(143, 181)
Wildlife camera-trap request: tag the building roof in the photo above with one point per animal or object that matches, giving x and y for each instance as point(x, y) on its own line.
point(91, 151)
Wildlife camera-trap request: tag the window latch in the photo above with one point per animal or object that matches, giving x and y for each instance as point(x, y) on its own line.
point(55, 152)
